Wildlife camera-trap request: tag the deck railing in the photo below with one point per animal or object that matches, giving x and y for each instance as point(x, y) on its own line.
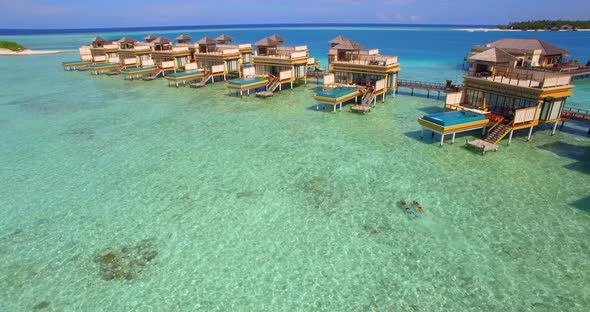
point(523, 77)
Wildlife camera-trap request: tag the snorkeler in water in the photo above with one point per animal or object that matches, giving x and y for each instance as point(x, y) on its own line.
point(419, 207)
point(407, 209)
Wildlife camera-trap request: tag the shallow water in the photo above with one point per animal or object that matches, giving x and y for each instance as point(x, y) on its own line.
point(269, 205)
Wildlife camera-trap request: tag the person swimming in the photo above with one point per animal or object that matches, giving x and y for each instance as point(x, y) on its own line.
point(407, 209)
point(419, 207)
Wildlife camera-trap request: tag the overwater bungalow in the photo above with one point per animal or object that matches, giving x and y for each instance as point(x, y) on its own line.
point(528, 52)
point(503, 97)
point(132, 53)
point(355, 71)
point(246, 50)
point(273, 66)
point(104, 51)
point(164, 52)
point(219, 59)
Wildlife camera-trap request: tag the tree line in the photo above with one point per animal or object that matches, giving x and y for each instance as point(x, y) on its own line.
point(546, 24)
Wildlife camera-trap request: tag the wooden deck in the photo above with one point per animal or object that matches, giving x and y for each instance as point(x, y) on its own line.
point(360, 108)
point(482, 146)
point(427, 86)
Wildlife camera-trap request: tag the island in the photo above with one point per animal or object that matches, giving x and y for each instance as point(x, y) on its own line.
point(13, 48)
point(553, 25)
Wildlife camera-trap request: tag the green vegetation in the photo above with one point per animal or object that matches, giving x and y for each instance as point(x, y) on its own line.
point(13, 46)
point(546, 24)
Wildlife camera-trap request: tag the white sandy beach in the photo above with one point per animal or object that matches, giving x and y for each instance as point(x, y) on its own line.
point(32, 52)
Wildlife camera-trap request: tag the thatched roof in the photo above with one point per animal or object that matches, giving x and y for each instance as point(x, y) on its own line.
point(162, 40)
point(98, 39)
point(184, 37)
point(493, 55)
point(339, 39)
point(207, 41)
point(267, 42)
point(224, 38)
point(528, 44)
point(127, 40)
point(149, 37)
point(277, 38)
point(348, 45)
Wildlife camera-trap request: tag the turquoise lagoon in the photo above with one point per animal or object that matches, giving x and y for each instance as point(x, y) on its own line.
point(132, 196)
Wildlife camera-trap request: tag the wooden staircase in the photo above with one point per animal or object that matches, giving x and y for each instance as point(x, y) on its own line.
point(273, 84)
point(368, 97)
point(203, 81)
point(366, 101)
point(153, 76)
point(498, 131)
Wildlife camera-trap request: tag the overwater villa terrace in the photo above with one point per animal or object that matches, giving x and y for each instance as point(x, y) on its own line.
point(351, 65)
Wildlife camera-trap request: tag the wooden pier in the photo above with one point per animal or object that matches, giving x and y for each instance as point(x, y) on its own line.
point(428, 86)
point(571, 113)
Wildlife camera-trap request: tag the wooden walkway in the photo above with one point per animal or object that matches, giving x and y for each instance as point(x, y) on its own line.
point(570, 113)
point(428, 86)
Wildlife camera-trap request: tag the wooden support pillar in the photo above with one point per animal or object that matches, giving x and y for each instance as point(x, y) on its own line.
point(554, 128)
point(383, 99)
point(438, 96)
point(428, 94)
point(453, 139)
point(530, 133)
point(291, 84)
point(510, 137)
point(412, 93)
point(340, 105)
point(483, 131)
point(212, 79)
point(335, 104)
point(442, 139)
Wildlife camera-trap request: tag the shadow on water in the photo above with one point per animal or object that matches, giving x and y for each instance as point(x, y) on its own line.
point(432, 109)
point(432, 137)
point(582, 204)
point(579, 153)
point(329, 108)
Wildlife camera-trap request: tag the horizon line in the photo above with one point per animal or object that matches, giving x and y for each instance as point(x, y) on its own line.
point(247, 25)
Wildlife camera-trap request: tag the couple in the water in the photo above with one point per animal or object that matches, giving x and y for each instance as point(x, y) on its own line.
point(409, 211)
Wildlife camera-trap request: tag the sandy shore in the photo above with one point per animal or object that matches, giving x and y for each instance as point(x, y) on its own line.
point(33, 52)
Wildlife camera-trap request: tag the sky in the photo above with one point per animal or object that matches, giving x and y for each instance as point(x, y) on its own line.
point(48, 14)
